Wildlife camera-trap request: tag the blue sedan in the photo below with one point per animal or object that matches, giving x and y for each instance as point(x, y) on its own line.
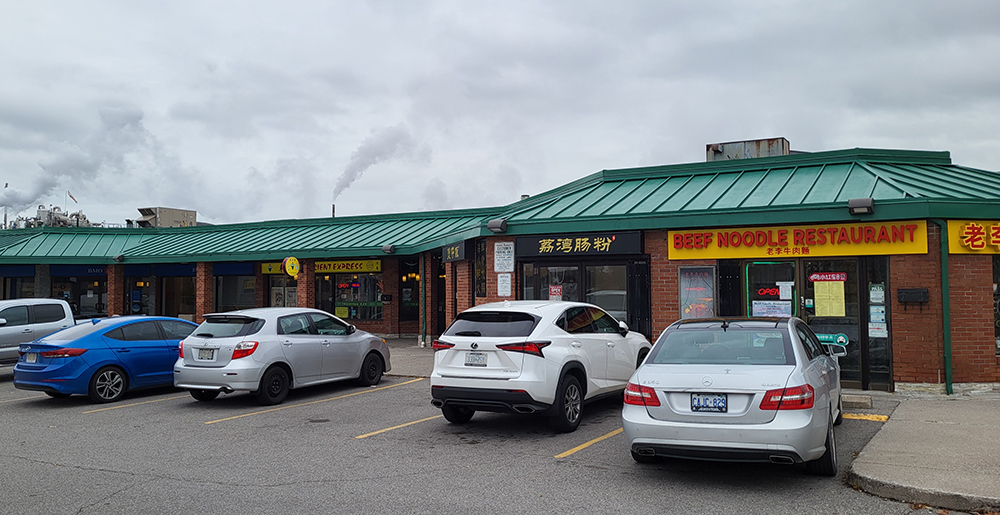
point(102, 358)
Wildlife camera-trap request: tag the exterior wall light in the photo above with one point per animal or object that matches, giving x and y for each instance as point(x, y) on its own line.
point(497, 225)
point(861, 206)
point(389, 249)
point(119, 258)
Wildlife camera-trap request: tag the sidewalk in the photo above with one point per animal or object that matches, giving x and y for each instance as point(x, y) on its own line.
point(942, 451)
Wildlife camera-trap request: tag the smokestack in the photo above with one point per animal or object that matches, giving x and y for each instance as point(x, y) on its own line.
point(333, 210)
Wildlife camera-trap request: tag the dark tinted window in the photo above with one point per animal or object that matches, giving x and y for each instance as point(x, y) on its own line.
point(576, 320)
point(175, 330)
point(733, 346)
point(294, 324)
point(492, 324)
point(76, 331)
point(812, 345)
point(15, 315)
point(327, 324)
point(139, 331)
point(223, 327)
point(47, 313)
point(603, 322)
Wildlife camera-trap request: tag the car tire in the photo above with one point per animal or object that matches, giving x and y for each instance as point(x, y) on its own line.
point(108, 384)
point(840, 411)
point(371, 370)
point(457, 414)
point(641, 458)
point(273, 386)
point(826, 465)
point(205, 395)
point(57, 395)
point(568, 408)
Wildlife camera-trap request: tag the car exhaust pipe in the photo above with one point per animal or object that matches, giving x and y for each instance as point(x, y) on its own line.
point(781, 460)
point(227, 390)
point(645, 451)
point(437, 403)
point(524, 408)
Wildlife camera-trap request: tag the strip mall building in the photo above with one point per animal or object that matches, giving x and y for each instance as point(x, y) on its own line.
point(893, 252)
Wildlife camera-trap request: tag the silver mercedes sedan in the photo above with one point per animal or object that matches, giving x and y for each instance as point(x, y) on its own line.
point(269, 351)
point(750, 389)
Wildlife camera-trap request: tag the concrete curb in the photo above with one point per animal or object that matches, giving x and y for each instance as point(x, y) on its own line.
point(936, 498)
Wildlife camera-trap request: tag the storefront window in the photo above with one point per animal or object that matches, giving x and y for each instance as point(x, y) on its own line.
point(139, 295)
point(351, 296)
point(178, 297)
point(409, 290)
point(233, 292)
point(282, 291)
point(697, 293)
point(771, 289)
point(19, 287)
point(607, 287)
point(87, 295)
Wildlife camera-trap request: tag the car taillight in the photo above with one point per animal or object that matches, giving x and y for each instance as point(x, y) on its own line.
point(641, 395)
point(244, 349)
point(440, 345)
point(796, 397)
point(533, 348)
point(180, 351)
point(63, 353)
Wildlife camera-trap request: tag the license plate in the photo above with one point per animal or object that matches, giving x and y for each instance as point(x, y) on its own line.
point(709, 402)
point(30, 357)
point(206, 354)
point(475, 359)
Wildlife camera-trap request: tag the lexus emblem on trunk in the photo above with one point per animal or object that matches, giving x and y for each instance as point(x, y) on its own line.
point(475, 345)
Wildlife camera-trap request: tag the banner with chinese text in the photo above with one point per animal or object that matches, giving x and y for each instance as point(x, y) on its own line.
point(974, 236)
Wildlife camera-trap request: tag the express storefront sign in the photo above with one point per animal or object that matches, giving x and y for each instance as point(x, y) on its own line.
point(332, 267)
point(858, 239)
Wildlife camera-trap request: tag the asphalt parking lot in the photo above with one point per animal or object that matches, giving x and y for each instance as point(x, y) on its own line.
point(348, 449)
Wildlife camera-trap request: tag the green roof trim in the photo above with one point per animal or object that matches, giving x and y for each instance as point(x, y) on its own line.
point(795, 189)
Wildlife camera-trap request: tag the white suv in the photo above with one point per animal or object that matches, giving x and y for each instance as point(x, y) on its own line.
point(544, 357)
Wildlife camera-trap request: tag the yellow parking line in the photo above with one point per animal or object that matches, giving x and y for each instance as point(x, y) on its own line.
point(313, 402)
point(24, 398)
point(873, 418)
point(134, 404)
point(380, 431)
point(588, 444)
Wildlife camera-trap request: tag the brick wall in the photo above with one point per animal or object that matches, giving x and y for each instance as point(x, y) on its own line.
point(458, 288)
point(204, 286)
point(491, 274)
point(972, 339)
point(305, 284)
point(116, 290)
point(664, 280)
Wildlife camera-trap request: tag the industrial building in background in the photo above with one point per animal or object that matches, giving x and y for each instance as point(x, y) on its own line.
point(166, 217)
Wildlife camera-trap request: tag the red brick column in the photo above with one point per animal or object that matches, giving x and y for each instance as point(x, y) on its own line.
point(973, 345)
point(260, 286)
point(204, 285)
point(305, 284)
point(917, 329)
point(116, 290)
point(463, 297)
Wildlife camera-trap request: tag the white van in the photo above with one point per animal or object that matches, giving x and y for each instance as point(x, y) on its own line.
point(23, 320)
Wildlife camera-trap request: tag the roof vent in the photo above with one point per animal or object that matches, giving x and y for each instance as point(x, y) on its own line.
point(747, 149)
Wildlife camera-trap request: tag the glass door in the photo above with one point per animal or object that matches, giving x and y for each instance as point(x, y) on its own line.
point(831, 307)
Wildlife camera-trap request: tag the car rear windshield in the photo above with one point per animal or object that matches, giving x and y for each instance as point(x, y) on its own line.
point(76, 331)
point(498, 324)
point(224, 327)
point(733, 346)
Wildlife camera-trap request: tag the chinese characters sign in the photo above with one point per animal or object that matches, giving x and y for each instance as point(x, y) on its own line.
point(585, 244)
point(858, 239)
point(974, 236)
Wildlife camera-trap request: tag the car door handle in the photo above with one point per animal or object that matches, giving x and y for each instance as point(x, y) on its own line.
point(611, 344)
point(123, 351)
point(25, 331)
point(287, 343)
point(326, 343)
point(576, 344)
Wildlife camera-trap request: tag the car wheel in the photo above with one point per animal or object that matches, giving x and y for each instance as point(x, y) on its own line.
point(371, 370)
point(273, 386)
point(205, 395)
point(826, 465)
point(57, 395)
point(457, 414)
point(568, 408)
point(108, 385)
point(840, 411)
point(642, 458)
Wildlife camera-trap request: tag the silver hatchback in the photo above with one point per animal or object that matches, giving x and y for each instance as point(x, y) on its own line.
point(751, 389)
point(272, 350)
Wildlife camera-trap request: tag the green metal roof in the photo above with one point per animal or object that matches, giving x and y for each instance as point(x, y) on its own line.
point(799, 188)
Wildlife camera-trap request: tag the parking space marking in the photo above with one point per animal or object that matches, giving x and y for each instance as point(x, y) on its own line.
point(588, 444)
point(272, 410)
point(119, 406)
point(380, 431)
point(873, 418)
point(24, 398)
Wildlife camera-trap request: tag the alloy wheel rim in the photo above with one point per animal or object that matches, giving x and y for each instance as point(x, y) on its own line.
point(109, 384)
point(572, 403)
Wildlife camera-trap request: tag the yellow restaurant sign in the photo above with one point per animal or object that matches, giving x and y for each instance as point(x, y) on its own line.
point(332, 267)
point(974, 236)
point(788, 241)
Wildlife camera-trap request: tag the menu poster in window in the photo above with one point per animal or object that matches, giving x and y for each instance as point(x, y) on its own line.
point(503, 285)
point(278, 297)
point(697, 292)
point(772, 308)
point(829, 298)
point(291, 296)
point(503, 256)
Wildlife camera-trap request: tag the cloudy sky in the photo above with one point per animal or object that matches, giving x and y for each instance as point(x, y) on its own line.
point(254, 110)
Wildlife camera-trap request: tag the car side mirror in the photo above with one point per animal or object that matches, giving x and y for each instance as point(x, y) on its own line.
point(837, 350)
point(351, 329)
point(3, 322)
point(623, 328)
